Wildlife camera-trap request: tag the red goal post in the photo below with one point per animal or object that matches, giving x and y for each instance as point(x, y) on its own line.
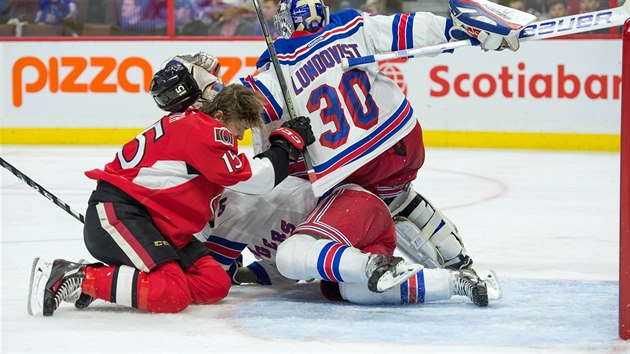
point(624, 206)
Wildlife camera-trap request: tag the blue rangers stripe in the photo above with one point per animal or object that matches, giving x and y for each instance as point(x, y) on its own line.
point(324, 166)
point(395, 25)
point(260, 87)
point(336, 261)
point(237, 246)
point(351, 31)
point(290, 47)
point(420, 285)
point(321, 261)
point(404, 292)
point(409, 30)
point(260, 272)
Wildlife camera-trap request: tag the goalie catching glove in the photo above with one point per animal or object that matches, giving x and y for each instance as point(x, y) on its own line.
point(496, 27)
point(293, 136)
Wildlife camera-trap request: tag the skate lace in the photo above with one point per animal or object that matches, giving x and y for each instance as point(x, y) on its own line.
point(373, 263)
point(68, 287)
point(464, 286)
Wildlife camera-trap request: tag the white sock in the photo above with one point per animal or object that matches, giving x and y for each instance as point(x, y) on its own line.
point(302, 257)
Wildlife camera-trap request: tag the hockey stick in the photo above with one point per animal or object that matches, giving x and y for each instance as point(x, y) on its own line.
point(42, 190)
point(556, 27)
point(283, 84)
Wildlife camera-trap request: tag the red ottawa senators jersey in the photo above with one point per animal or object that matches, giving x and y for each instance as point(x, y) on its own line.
point(178, 166)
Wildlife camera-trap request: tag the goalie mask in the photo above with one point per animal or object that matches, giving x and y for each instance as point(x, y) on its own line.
point(174, 89)
point(300, 15)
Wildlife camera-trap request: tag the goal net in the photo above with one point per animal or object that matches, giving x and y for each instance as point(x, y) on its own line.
point(624, 207)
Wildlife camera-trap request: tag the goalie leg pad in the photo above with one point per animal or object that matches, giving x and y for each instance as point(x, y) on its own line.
point(434, 226)
point(413, 244)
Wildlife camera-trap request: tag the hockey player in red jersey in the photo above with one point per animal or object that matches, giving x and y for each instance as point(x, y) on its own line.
point(157, 192)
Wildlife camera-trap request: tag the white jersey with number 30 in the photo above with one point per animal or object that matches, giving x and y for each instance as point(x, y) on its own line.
point(355, 114)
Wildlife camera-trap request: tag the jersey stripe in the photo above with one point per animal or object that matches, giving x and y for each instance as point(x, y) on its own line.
point(328, 261)
point(224, 251)
point(272, 111)
point(402, 31)
point(314, 224)
point(409, 30)
point(412, 290)
point(369, 143)
point(338, 33)
point(385, 192)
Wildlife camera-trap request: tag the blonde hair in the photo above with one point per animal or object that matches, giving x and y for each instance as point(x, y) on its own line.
point(237, 102)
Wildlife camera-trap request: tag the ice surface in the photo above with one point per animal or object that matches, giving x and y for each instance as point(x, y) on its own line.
point(546, 222)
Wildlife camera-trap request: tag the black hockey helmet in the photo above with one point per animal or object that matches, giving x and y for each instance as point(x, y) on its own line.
point(174, 89)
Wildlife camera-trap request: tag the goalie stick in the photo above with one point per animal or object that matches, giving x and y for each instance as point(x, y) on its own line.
point(556, 27)
point(42, 190)
point(283, 84)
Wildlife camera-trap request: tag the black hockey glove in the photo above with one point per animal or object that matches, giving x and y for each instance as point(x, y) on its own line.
point(238, 262)
point(293, 136)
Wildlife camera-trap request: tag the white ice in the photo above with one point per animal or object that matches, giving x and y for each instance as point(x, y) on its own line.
point(546, 222)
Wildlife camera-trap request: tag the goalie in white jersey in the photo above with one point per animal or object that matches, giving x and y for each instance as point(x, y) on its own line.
point(263, 223)
point(367, 132)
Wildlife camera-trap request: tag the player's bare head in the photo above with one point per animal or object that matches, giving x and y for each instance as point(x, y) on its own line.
point(236, 102)
point(300, 15)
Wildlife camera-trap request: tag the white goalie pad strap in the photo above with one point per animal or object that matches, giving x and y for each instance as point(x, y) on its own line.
point(420, 214)
point(431, 228)
point(414, 245)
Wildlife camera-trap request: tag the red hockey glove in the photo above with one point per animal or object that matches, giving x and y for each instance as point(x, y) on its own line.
point(293, 136)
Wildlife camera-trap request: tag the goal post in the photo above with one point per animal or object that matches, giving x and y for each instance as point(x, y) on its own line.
point(624, 198)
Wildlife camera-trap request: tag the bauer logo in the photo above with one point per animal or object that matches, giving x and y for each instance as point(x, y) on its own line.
point(223, 135)
point(596, 21)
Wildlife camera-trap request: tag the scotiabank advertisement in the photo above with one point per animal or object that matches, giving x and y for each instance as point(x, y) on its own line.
point(558, 86)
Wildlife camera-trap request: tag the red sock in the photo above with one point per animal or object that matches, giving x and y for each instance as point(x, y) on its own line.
point(163, 290)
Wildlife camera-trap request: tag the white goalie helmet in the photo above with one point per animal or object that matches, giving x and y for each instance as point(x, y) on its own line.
point(300, 15)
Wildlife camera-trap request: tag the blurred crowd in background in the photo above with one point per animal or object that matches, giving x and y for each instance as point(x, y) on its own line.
point(215, 17)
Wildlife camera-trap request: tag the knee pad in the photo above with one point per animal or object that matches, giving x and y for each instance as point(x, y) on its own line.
point(207, 281)
point(165, 288)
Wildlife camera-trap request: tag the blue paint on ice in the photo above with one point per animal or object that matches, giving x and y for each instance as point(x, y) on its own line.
point(532, 313)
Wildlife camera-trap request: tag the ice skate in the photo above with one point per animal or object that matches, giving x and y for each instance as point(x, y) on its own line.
point(467, 283)
point(489, 277)
point(52, 283)
point(385, 272)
